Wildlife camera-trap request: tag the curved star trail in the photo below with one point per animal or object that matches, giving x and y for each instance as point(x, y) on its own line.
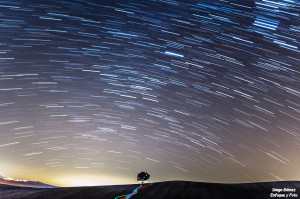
point(94, 92)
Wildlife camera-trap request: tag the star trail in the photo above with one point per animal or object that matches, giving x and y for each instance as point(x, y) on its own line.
point(93, 92)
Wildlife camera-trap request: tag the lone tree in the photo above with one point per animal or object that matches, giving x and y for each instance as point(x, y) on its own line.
point(143, 176)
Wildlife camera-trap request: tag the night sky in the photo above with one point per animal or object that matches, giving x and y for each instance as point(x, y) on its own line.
point(93, 92)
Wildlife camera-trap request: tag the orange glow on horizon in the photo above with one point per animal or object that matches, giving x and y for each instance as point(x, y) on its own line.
point(90, 180)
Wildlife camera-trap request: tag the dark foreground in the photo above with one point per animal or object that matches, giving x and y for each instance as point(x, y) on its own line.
point(162, 190)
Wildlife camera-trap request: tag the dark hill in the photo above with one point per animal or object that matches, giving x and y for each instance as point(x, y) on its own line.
point(24, 183)
point(160, 190)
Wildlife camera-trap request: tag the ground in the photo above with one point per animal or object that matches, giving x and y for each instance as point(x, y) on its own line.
point(162, 190)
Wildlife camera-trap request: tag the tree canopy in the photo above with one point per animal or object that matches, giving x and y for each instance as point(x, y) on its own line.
point(143, 176)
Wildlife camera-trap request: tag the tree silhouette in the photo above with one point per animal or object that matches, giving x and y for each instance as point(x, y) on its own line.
point(143, 176)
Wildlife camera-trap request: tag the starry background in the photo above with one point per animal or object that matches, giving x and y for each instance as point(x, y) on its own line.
point(92, 92)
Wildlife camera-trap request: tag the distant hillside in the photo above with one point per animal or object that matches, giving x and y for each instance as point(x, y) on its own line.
point(24, 183)
point(161, 190)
